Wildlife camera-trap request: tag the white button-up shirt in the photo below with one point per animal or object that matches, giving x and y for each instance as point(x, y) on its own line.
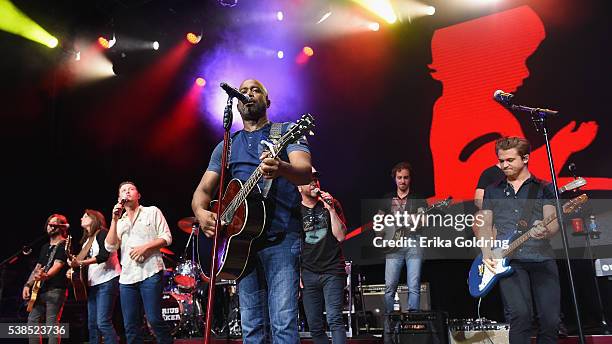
point(149, 224)
point(105, 271)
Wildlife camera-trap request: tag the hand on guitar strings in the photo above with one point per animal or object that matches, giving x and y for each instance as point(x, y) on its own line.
point(490, 263)
point(539, 231)
point(207, 220)
point(269, 166)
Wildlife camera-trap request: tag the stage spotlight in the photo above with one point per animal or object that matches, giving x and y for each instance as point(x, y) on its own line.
point(381, 8)
point(13, 20)
point(77, 56)
point(107, 42)
point(280, 16)
point(280, 54)
point(430, 10)
point(324, 17)
point(374, 26)
point(200, 82)
point(194, 38)
point(155, 45)
point(308, 51)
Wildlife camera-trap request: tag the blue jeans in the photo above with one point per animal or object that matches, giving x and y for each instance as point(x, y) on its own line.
point(100, 305)
point(413, 259)
point(133, 297)
point(325, 289)
point(268, 293)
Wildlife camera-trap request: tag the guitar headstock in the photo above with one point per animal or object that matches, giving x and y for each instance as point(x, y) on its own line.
point(68, 244)
point(301, 128)
point(574, 184)
point(443, 204)
point(574, 204)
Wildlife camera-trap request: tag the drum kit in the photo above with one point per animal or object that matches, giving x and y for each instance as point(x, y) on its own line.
point(185, 292)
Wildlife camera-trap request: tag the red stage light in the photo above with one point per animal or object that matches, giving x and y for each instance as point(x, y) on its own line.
point(308, 51)
point(104, 43)
point(200, 82)
point(193, 38)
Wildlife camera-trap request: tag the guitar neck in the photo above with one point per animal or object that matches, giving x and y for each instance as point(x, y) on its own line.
point(248, 186)
point(525, 236)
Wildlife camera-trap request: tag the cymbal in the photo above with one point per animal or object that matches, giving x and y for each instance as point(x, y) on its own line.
point(166, 251)
point(186, 223)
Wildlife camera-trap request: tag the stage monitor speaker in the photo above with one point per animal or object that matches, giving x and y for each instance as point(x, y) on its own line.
point(471, 333)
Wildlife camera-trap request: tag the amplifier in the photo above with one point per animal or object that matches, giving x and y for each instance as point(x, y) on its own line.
point(418, 328)
point(471, 331)
point(374, 297)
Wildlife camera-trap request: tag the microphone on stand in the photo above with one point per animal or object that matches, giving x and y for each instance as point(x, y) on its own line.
point(232, 92)
point(503, 97)
point(60, 225)
point(572, 169)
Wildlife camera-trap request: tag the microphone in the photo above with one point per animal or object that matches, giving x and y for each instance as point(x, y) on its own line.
point(572, 169)
point(60, 225)
point(122, 202)
point(232, 92)
point(503, 97)
point(318, 192)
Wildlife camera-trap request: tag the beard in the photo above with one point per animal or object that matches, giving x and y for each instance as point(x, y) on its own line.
point(253, 112)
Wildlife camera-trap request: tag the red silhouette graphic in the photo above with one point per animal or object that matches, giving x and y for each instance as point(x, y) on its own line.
point(472, 60)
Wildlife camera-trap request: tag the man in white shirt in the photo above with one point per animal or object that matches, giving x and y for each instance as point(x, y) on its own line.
point(140, 232)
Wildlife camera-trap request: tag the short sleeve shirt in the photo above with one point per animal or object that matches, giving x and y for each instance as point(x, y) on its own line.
point(283, 208)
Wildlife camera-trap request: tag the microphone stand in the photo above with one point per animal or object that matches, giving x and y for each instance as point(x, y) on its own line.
point(27, 248)
point(539, 116)
point(227, 125)
point(603, 323)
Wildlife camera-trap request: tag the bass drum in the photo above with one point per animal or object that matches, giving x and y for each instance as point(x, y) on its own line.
point(182, 314)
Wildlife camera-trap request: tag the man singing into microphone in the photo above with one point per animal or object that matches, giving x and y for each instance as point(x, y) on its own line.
point(51, 270)
point(140, 232)
point(268, 288)
point(323, 272)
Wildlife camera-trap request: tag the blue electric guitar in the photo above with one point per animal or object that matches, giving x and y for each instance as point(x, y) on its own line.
point(481, 280)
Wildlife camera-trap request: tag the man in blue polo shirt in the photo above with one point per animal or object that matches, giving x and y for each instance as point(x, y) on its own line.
point(268, 289)
point(516, 204)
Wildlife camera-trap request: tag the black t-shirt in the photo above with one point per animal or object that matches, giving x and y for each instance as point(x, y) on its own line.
point(322, 252)
point(58, 281)
point(489, 176)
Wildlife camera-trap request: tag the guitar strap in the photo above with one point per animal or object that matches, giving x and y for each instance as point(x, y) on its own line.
point(52, 256)
point(275, 135)
point(87, 246)
point(524, 223)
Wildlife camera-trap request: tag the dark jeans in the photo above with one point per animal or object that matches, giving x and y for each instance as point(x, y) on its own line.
point(328, 290)
point(268, 293)
point(133, 297)
point(532, 282)
point(48, 304)
point(100, 305)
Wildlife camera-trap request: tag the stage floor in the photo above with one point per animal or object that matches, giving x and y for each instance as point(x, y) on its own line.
point(591, 339)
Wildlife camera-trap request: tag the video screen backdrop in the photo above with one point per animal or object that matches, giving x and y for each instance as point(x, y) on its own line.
point(420, 90)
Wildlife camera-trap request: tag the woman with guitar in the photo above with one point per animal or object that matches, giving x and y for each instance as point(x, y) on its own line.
point(46, 287)
point(95, 267)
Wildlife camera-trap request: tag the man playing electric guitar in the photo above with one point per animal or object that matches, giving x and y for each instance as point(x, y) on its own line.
point(46, 288)
point(515, 205)
point(412, 257)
